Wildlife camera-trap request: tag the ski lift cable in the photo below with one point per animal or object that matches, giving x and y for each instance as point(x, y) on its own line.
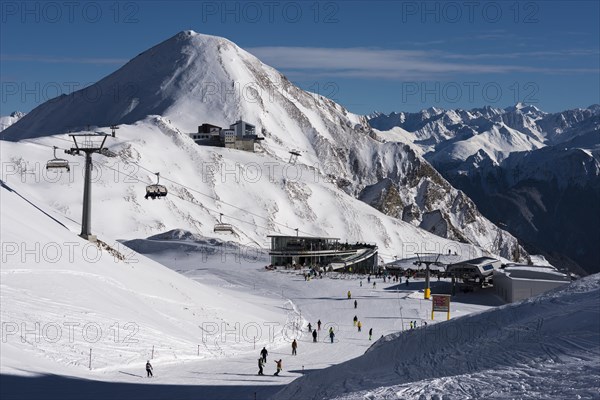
point(224, 202)
point(206, 195)
point(187, 200)
point(184, 199)
point(190, 189)
point(195, 191)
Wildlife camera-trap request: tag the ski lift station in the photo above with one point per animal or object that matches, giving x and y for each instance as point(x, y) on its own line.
point(290, 251)
point(474, 272)
point(512, 282)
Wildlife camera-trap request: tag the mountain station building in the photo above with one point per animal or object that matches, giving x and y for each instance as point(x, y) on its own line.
point(323, 252)
point(240, 136)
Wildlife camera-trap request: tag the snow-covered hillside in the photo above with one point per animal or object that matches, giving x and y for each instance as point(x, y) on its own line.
point(62, 296)
point(547, 347)
point(192, 79)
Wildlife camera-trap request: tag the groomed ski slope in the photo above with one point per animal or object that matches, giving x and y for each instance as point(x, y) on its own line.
point(547, 347)
point(61, 297)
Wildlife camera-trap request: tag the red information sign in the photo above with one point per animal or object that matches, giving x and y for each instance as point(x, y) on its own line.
point(440, 302)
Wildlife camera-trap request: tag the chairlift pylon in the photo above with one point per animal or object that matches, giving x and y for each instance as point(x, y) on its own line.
point(58, 163)
point(156, 190)
point(221, 227)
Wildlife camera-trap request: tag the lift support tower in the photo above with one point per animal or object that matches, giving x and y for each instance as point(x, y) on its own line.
point(85, 143)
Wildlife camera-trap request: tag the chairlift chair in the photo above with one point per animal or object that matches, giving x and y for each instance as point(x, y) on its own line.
point(221, 227)
point(294, 154)
point(58, 164)
point(156, 190)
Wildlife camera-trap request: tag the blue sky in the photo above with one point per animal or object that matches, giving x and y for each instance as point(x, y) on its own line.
point(379, 55)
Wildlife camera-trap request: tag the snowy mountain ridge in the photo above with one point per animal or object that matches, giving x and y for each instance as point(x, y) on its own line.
point(192, 79)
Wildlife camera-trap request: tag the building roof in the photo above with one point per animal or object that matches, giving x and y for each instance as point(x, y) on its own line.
point(478, 261)
point(531, 272)
point(412, 262)
point(303, 237)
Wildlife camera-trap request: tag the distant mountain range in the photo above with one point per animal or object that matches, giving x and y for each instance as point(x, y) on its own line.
point(536, 173)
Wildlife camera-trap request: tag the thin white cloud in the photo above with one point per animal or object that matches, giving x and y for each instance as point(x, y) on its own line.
point(62, 60)
point(359, 62)
point(528, 54)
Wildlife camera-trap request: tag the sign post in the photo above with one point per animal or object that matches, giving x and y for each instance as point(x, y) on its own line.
point(440, 302)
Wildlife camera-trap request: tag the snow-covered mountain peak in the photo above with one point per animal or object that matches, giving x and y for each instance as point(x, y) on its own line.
point(191, 79)
point(184, 77)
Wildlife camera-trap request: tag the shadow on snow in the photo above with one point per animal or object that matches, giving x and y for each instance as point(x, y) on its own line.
point(67, 388)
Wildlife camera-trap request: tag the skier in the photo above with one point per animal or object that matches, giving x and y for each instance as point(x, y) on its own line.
point(309, 327)
point(331, 334)
point(294, 347)
point(370, 333)
point(360, 283)
point(411, 325)
point(260, 366)
point(279, 367)
point(264, 354)
point(319, 324)
point(349, 295)
point(355, 320)
point(149, 369)
point(373, 285)
point(355, 304)
point(315, 336)
point(369, 279)
point(359, 325)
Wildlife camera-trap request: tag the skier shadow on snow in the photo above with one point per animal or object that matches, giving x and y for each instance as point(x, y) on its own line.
point(67, 388)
